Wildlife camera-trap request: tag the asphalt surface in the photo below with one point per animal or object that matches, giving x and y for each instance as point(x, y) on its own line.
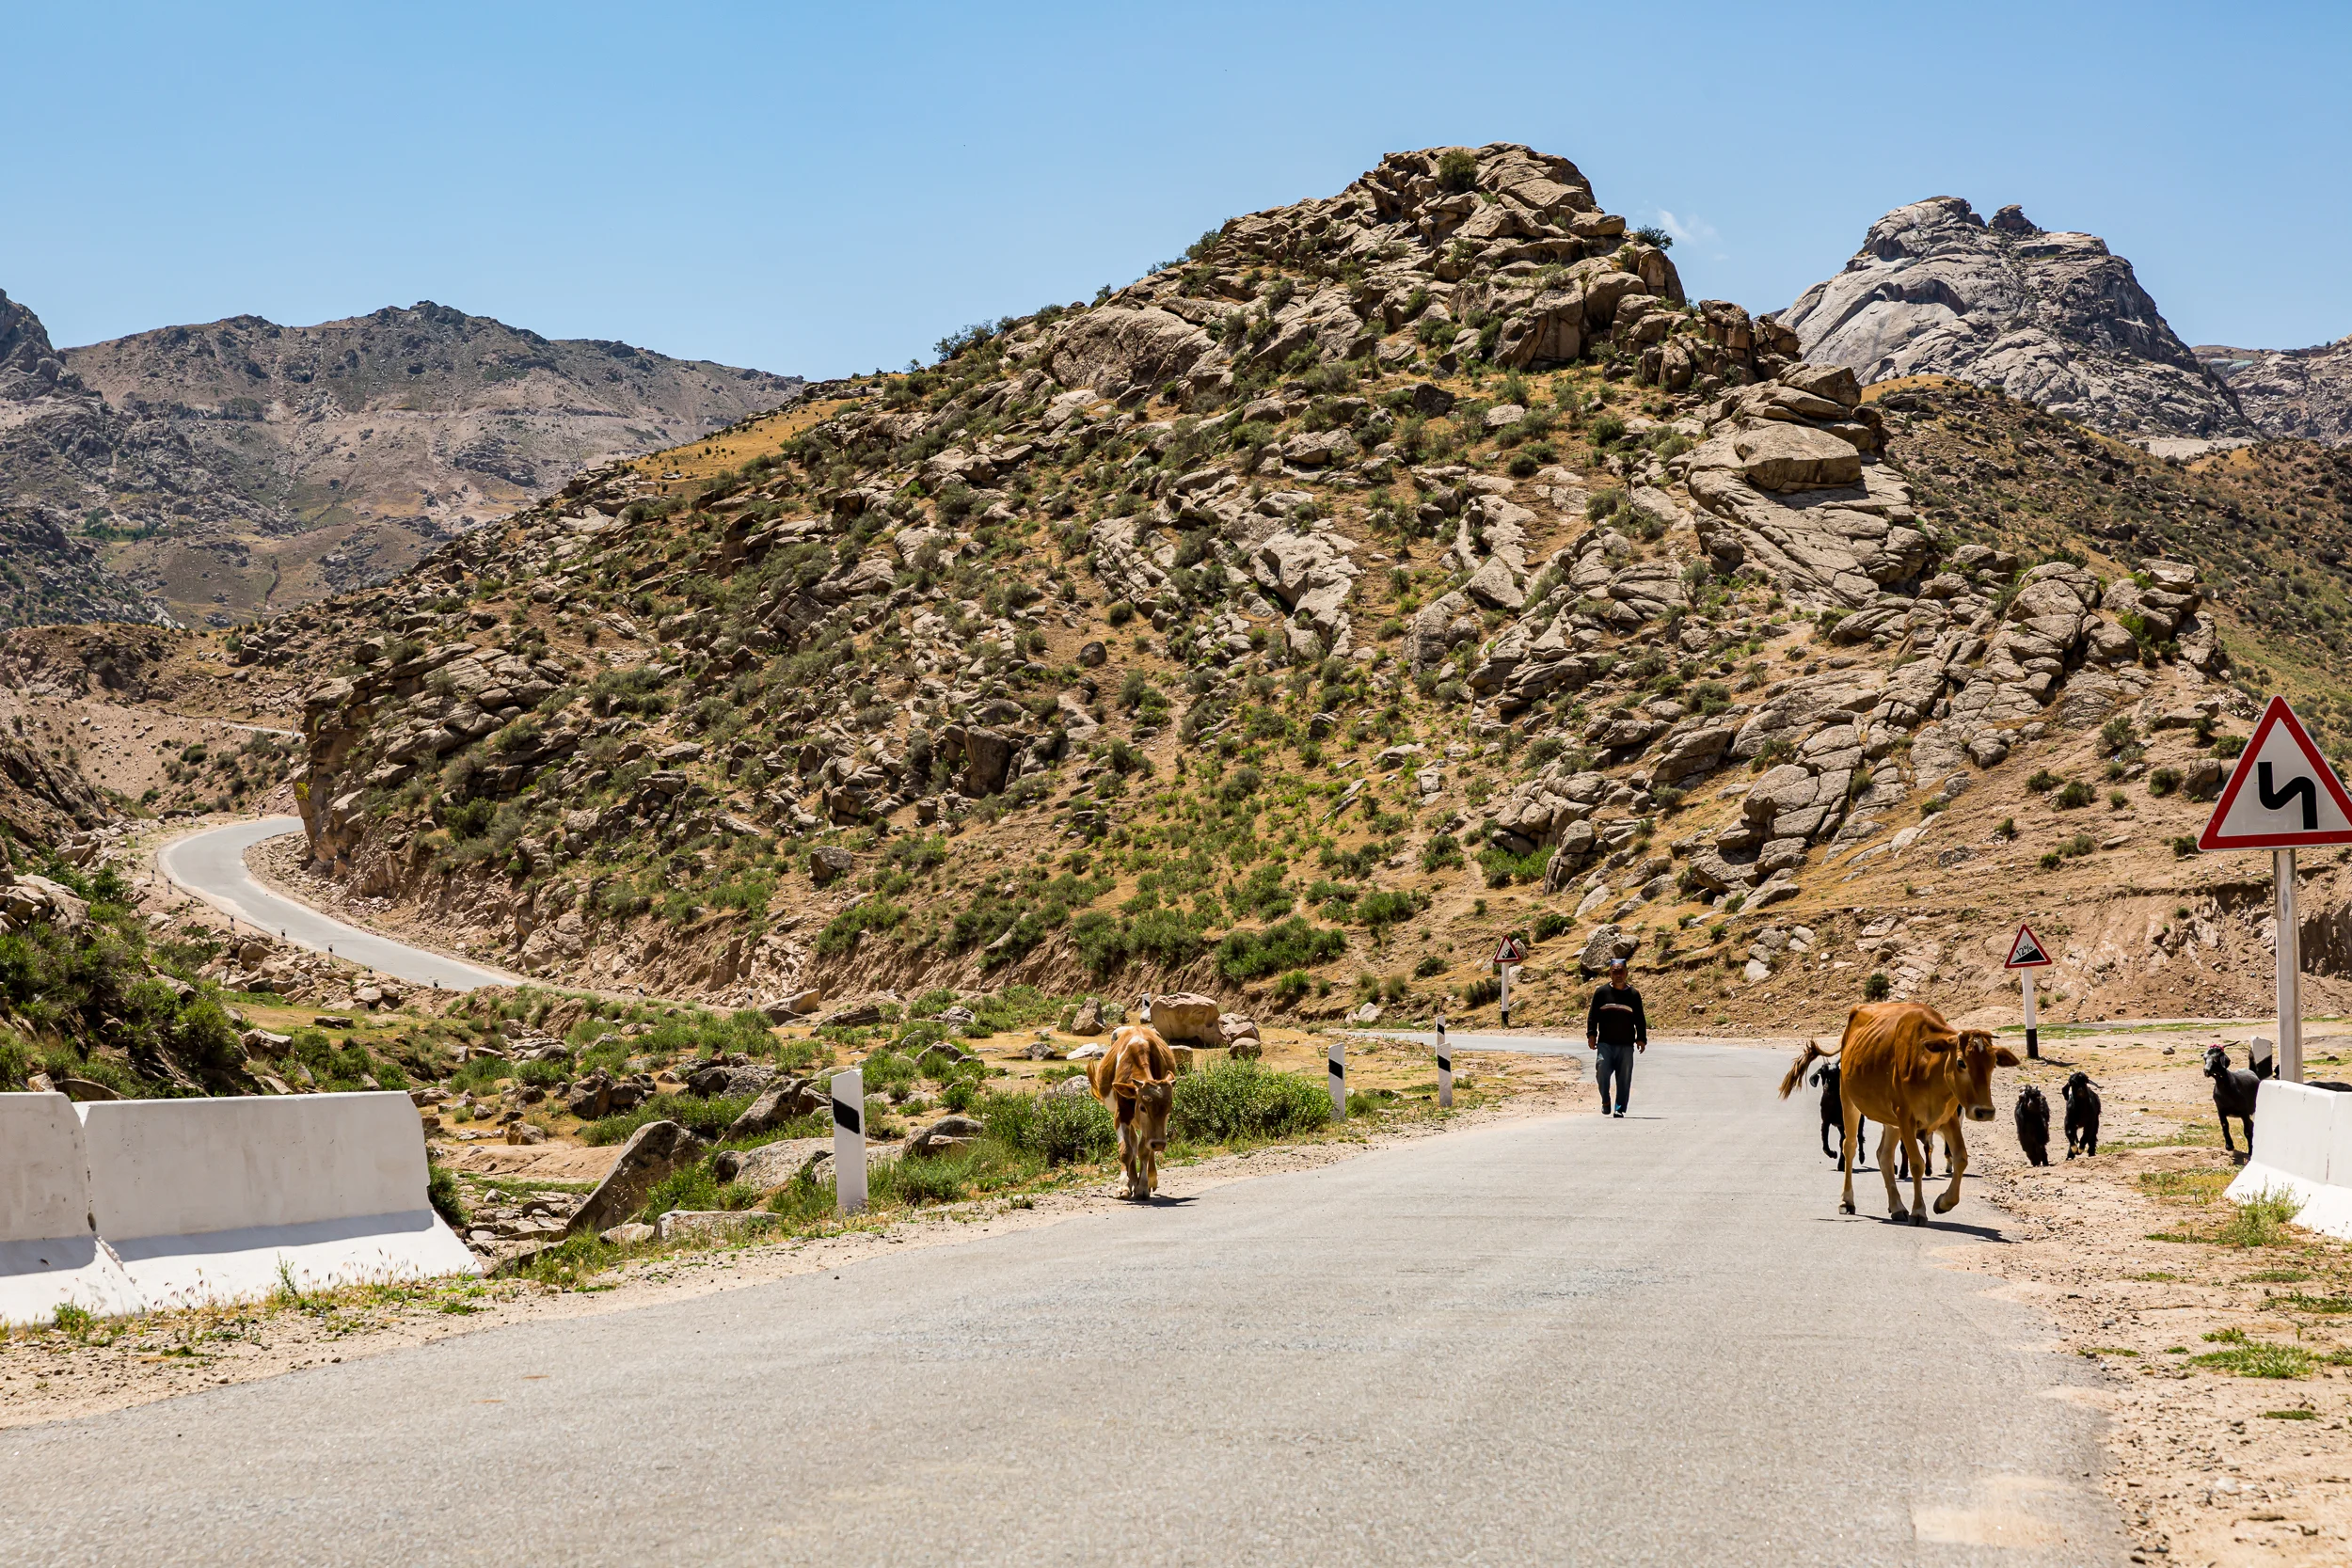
point(211, 864)
point(1565, 1340)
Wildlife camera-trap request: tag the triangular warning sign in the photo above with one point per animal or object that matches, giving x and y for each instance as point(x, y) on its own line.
point(2283, 794)
point(2027, 952)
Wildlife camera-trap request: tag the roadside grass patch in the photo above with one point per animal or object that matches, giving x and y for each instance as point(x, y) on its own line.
point(2300, 1303)
point(2258, 1358)
point(2093, 1352)
point(708, 1118)
point(2260, 1221)
point(2190, 1186)
point(2299, 1413)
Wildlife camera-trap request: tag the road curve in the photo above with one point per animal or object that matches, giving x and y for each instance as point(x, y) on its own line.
point(1566, 1340)
point(211, 864)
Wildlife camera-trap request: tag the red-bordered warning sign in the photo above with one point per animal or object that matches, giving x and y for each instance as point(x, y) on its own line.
point(1512, 952)
point(2283, 795)
point(2027, 952)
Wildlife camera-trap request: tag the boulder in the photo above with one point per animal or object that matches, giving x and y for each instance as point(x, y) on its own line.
point(783, 1100)
point(653, 1152)
point(1088, 1019)
point(949, 1134)
point(1782, 457)
point(771, 1165)
point(1184, 1016)
point(1606, 943)
point(828, 862)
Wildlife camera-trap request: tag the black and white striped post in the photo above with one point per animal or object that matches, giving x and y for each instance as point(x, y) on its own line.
point(1445, 1067)
point(849, 1140)
point(1339, 1080)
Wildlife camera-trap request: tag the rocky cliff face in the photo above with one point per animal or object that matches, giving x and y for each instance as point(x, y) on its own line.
point(2290, 393)
point(240, 467)
point(2054, 319)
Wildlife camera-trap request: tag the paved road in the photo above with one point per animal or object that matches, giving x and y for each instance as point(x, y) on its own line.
point(211, 864)
point(1565, 1340)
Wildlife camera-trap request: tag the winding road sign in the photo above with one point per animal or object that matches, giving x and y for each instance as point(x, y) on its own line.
point(2027, 952)
point(2283, 795)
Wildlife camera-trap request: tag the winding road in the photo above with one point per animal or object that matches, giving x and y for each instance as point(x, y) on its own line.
point(1564, 1340)
point(211, 864)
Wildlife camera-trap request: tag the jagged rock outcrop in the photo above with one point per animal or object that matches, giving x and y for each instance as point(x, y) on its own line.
point(2052, 318)
point(2303, 393)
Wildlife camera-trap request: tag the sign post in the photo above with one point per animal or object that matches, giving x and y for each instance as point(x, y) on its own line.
point(1445, 1067)
point(2026, 955)
point(1508, 957)
point(1338, 1063)
point(2294, 799)
point(849, 1140)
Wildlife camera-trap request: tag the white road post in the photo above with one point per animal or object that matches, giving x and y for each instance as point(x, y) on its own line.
point(2033, 1034)
point(849, 1140)
point(1339, 1080)
point(1445, 1072)
point(2290, 945)
point(1505, 972)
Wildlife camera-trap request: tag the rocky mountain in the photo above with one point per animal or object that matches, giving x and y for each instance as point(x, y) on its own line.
point(1398, 568)
point(2303, 393)
point(240, 467)
point(2051, 318)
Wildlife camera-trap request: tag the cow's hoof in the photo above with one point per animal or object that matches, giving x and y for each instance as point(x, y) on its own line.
point(1944, 1205)
point(1845, 1208)
point(1898, 1215)
point(1919, 1218)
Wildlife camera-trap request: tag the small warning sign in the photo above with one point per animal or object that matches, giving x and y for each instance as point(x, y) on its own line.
point(1512, 952)
point(2027, 952)
point(2283, 794)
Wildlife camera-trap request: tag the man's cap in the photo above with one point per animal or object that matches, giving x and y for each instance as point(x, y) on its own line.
point(1620, 963)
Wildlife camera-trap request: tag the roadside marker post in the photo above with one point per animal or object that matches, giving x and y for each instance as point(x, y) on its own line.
point(1445, 1068)
point(2026, 955)
point(849, 1140)
point(2294, 799)
point(1338, 1062)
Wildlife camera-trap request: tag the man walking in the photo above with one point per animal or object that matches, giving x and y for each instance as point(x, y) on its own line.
point(1615, 1027)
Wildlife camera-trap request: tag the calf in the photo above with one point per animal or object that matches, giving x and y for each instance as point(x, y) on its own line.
point(2033, 1125)
point(2082, 1114)
point(1832, 1112)
point(1136, 1078)
point(2233, 1091)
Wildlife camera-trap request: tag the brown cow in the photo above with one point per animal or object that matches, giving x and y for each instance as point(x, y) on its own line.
point(1136, 1078)
point(1906, 1069)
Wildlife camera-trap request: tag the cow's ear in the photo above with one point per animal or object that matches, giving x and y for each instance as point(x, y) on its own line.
point(1124, 1090)
point(2004, 1057)
point(1939, 1046)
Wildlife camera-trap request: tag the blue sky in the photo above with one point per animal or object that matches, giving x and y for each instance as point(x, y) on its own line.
point(824, 189)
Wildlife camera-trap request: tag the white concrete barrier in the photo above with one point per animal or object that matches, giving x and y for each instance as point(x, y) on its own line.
point(222, 1199)
point(2303, 1147)
point(50, 1256)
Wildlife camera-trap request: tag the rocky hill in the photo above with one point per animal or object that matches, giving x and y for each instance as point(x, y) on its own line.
point(241, 467)
point(2297, 393)
point(1396, 570)
point(2051, 318)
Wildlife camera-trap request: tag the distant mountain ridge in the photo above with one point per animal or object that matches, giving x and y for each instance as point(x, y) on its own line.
point(239, 467)
point(2304, 393)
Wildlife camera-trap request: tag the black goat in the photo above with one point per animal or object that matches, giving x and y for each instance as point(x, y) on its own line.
point(2082, 1114)
point(1834, 1115)
point(2234, 1092)
point(2033, 1125)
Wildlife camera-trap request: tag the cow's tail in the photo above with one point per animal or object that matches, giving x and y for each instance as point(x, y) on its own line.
point(1806, 1058)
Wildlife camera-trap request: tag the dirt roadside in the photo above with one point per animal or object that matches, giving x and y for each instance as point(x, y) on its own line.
point(52, 1375)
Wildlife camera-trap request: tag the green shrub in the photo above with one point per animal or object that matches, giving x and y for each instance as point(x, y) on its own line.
point(842, 931)
point(2043, 782)
point(2076, 794)
point(1293, 943)
point(708, 1118)
point(1550, 924)
point(1481, 991)
point(1243, 1103)
point(2163, 782)
point(1876, 987)
point(1429, 968)
point(1442, 852)
point(1058, 1129)
point(1457, 170)
point(441, 1191)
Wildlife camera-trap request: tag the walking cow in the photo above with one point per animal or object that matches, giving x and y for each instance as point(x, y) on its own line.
point(1136, 1078)
point(1902, 1065)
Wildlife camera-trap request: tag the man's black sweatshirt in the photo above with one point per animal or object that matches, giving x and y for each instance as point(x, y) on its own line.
point(1616, 1017)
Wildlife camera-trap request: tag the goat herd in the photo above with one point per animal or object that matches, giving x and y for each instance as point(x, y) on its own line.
point(2233, 1091)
